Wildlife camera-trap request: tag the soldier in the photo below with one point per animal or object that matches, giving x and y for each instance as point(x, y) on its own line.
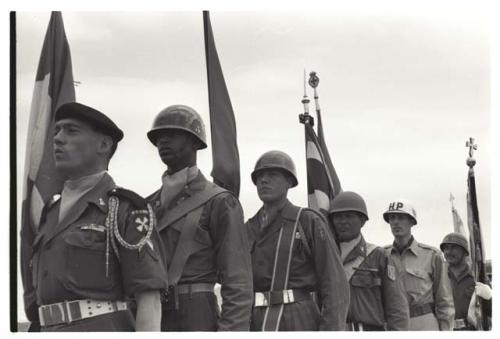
point(455, 249)
point(425, 274)
point(378, 297)
point(97, 245)
point(293, 256)
point(201, 227)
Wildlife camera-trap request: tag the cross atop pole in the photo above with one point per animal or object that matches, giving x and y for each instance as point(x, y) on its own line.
point(472, 146)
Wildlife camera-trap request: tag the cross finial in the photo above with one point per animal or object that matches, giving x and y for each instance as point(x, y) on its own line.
point(472, 146)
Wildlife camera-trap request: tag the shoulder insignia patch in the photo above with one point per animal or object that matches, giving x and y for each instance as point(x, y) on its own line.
point(391, 272)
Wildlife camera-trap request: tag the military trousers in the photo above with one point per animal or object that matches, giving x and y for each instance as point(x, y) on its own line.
point(302, 315)
point(196, 311)
point(121, 321)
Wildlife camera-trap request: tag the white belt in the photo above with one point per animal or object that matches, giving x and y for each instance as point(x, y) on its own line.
point(264, 298)
point(69, 311)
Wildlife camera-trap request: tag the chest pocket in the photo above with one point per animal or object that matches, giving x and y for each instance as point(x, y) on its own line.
point(365, 279)
point(85, 261)
point(202, 236)
point(417, 281)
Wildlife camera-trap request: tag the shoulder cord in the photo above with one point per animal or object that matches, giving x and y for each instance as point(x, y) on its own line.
point(112, 229)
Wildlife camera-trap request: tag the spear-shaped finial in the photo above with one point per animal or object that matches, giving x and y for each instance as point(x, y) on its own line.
point(452, 199)
point(472, 146)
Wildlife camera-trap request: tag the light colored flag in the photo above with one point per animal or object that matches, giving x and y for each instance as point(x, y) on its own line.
point(53, 87)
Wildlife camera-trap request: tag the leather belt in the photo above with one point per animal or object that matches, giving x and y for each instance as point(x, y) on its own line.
point(171, 297)
point(194, 288)
point(418, 310)
point(262, 299)
point(357, 326)
point(67, 312)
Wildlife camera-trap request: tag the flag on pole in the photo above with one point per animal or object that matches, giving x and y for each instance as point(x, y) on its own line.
point(336, 187)
point(320, 187)
point(226, 159)
point(476, 241)
point(458, 225)
point(53, 87)
point(322, 181)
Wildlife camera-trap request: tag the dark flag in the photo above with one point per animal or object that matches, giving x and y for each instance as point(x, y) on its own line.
point(476, 242)
point(226, 159)
point(53, 87)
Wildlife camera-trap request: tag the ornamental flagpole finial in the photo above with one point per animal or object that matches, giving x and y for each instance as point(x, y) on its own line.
point(472, 147)
point(314, 82)
point(305, 117)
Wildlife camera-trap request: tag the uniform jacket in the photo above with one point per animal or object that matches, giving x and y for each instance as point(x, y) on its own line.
point(463, 287)
point(426, 280)
point(378, 296)
point(69, 256)
point(224, 258)
point(321, 271)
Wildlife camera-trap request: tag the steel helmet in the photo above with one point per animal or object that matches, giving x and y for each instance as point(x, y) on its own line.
point(455, 239)
point(401, 206)
point(179, 117)
point(275, 160)
point(349, 201)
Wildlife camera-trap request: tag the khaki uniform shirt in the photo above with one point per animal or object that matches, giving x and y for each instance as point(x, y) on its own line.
point(426, 281)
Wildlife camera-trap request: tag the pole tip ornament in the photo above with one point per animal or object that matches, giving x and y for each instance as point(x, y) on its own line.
point(472, 146)
point(313, 80)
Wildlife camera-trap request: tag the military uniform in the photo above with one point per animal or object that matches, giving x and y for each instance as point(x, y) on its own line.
point(80, 270)
point(219, 254)
point(314, 267)
point(378, 298)
point(463, 287)
point(427, 286)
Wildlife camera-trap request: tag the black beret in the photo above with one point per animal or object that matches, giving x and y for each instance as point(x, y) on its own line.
point(96, 119)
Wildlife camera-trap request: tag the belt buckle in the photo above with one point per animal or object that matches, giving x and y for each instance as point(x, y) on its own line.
point(260, 299)
point(68, 312)
point(288, 297)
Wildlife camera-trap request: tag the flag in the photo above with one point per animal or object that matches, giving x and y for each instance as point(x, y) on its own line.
point(53, 87)
point(226, 159)
point(321, 189)
point(476, 247)
point(337, 188)
point(458, 225)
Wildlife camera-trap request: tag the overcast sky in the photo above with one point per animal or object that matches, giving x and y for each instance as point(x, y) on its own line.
point(400, 91)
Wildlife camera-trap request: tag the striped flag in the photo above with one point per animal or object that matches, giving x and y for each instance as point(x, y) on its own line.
point(53, 87)
point(321, 187)
point(225, 155)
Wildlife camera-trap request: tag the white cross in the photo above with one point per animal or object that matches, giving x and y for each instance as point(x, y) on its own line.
point(143, 224)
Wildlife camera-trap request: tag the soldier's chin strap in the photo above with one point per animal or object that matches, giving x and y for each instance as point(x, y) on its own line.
point(113, 231)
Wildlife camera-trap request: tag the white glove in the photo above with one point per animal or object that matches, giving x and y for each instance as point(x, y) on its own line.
point(483, 291)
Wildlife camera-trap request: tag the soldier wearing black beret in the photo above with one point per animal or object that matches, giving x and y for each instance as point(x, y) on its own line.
point(97, 249)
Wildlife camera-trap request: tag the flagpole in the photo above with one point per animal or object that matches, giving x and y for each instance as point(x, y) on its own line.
point(477, 248)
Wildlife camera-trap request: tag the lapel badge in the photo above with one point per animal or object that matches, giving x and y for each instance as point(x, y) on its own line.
point(297, 235)
point(101, 202)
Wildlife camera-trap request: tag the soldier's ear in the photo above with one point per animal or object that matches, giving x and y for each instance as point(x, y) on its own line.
point(105, 145)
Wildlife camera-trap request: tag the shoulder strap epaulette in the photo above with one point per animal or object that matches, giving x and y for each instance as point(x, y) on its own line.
point(137, 201)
